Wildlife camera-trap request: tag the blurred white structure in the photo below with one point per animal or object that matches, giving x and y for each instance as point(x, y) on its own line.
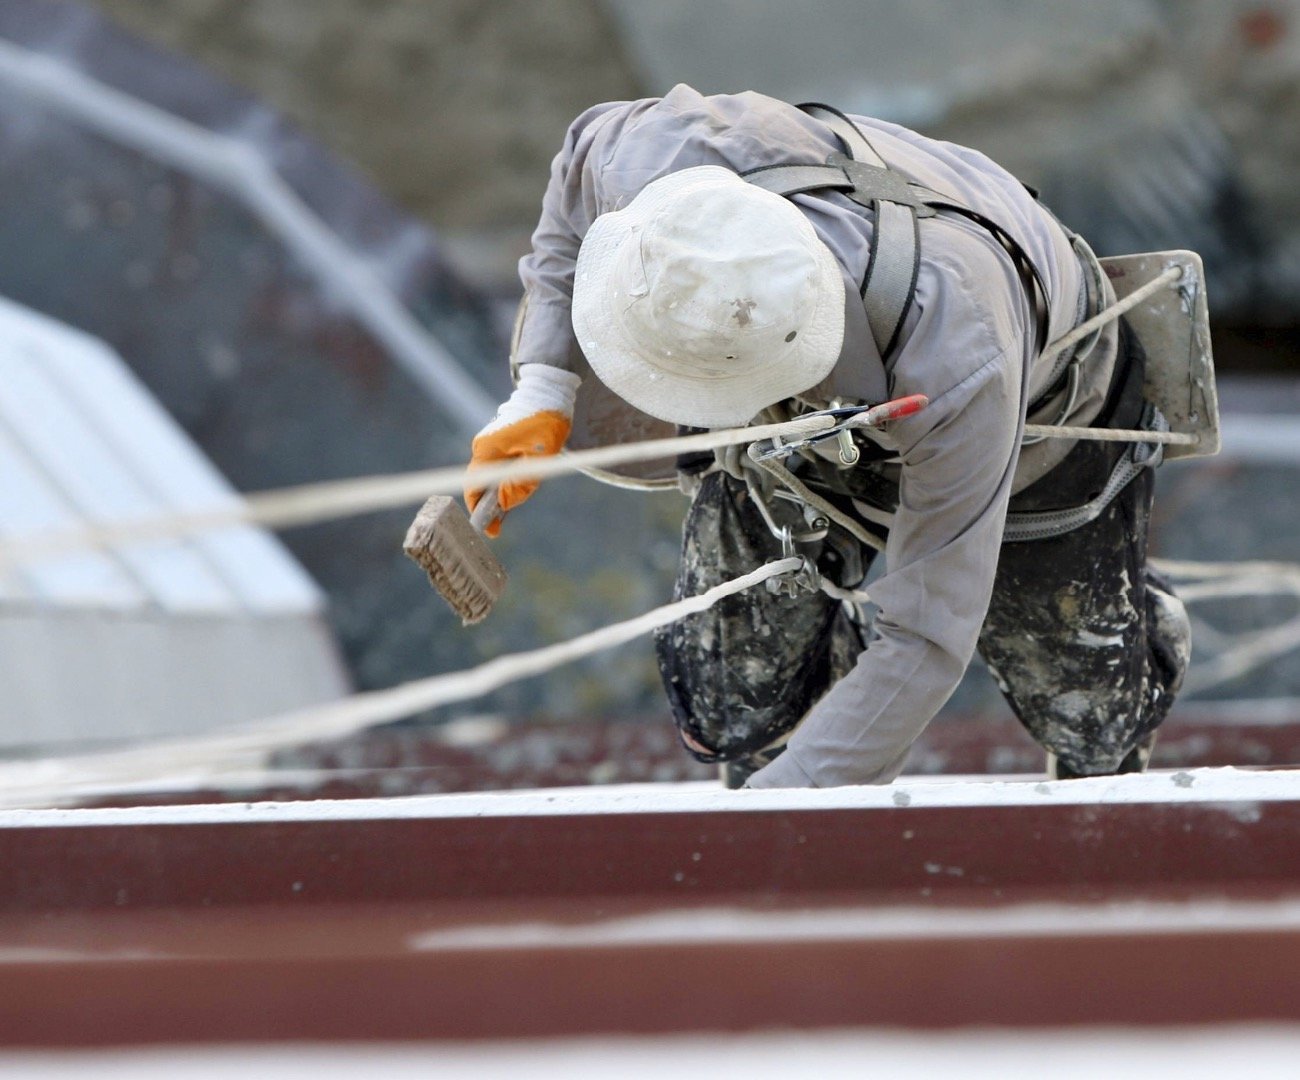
point(139, 640)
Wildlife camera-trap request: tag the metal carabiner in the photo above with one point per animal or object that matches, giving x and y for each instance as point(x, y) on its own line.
point(805, 579)
point(847, 419)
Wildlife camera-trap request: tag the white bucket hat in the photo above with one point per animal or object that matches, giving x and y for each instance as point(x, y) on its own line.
point(706, 299)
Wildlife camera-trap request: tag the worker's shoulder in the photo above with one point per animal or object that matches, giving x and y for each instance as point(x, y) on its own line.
point(970, 285)
point(966, 328)
point(596, 118)
point(680, 107)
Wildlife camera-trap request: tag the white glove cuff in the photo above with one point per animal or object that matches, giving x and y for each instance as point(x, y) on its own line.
point(541, 388)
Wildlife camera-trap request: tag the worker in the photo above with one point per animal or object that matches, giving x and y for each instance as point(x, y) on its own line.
point(731, 259)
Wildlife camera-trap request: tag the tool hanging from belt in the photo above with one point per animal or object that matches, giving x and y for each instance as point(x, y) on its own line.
point(762, 459)
point(896, 205)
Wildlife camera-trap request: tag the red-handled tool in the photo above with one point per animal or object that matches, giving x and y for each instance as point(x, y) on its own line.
point(891, 410)
point(847, 419)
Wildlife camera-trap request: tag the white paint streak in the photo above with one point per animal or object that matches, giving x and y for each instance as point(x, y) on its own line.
point(712, 926)
point(1234, 787)
point(1089, 640)
point(39, 954)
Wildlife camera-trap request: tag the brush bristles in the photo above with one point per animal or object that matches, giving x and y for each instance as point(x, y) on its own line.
point(454, 554)
point(467, 597)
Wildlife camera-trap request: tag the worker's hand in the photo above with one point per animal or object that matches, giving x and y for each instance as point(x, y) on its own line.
point(534, 422)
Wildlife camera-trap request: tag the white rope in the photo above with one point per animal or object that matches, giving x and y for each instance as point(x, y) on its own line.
point(822, 506)
point(308, 503)
point(1229, 572)
point(1065, 341)
point(1214, 581)
point(62, 779)
point(1064, 431)
point(1167, 277)
point(847, 596)
point(1254, 652)
point(195, 760)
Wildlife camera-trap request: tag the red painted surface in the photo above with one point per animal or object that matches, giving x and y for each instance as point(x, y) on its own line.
point(276, 929)
point(1190, 978)
point(304, 930)
point(983, 855)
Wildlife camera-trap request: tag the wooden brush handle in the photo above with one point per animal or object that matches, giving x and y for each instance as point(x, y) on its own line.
point(485, 511)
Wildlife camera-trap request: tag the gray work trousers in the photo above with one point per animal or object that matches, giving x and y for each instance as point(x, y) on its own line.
point(1086, 643)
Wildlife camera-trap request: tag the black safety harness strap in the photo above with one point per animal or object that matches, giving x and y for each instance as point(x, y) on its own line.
point(896, 204)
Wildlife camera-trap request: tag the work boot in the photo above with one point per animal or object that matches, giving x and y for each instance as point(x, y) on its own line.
point(733, 774)
point(1135, 761)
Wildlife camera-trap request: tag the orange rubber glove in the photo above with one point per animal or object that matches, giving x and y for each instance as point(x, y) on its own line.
point(534, 422)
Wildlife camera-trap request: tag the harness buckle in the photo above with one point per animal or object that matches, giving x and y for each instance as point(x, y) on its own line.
point(872, 183)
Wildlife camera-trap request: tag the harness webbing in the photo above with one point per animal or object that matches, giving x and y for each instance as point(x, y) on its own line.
point(896, 204)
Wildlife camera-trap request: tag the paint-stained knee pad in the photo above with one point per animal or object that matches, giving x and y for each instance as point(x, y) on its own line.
point(742, 674)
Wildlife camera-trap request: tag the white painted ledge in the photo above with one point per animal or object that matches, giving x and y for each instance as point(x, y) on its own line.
point(1240, 790)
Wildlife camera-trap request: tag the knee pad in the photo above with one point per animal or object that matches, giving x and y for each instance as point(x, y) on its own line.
point(762, 749)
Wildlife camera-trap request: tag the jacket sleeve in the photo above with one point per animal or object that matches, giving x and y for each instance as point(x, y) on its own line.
point(570, 205)
point(958, 459)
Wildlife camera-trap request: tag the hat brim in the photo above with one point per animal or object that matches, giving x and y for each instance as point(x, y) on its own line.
point(697, 399)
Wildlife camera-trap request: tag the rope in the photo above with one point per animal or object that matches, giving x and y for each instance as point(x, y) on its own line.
point(67, 779)
point(54, 779)
point(1255, 651)
point(1218, 571)
point(309, 503)
point(1138, 435)
point(1219, 580)
point(1120, 307)
point(847, 596)
point(822, 506)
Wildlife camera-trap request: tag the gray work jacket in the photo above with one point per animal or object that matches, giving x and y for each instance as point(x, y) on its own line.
point(968, 344)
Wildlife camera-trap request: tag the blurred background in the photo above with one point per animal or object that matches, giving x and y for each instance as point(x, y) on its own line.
point(254, 243)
